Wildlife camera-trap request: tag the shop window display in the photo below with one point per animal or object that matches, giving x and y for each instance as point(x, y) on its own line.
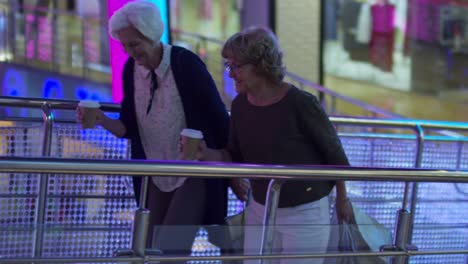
point(363, 41)
point(408, 45)
point(214, 18)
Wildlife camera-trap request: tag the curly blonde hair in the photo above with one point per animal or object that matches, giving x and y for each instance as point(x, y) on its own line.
point(257, 46)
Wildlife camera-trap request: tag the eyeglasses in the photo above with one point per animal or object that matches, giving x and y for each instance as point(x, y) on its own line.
point(232, 67)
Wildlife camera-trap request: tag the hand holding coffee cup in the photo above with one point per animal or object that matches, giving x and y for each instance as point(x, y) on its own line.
point(190, 140)
point(87, 113)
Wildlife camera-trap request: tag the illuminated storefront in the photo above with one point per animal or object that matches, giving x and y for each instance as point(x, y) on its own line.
point(408, 45)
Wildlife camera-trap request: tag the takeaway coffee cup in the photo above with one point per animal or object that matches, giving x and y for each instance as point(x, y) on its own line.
point(89, 110)
point(190, 141)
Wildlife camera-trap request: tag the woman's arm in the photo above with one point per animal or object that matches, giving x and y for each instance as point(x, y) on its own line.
point(324, 136)
point(210, 154)
point(240, 187)
point(341, 194)
point(115, 126)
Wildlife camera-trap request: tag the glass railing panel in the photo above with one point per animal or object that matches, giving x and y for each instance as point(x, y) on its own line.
point(382, 209)
point(82, 210)
point(78, 208)
point(18, 185)
point(440, 217)
point(380, 152)
point(303, 239)
point(20, 139)
point(18, 192)
point(399, 150)
point(90, 241)
point(440, 237)
point(64, 240)
point(464, 156)
point(85, 216)
point(17, 240)
point(444, 154)
point(439, 259)
point(71, 141)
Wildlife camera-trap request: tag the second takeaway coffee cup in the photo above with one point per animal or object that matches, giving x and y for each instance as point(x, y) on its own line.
point(89, 109)
point(190, 141)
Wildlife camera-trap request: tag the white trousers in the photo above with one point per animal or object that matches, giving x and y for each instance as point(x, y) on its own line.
point(302, 229)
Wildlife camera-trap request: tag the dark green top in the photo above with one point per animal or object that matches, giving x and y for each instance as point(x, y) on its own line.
point(293, 131)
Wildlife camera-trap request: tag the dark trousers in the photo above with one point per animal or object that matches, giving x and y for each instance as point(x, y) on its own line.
point(176, 216)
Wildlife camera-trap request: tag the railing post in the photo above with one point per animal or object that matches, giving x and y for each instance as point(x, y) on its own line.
point(143, 192)
point(414, 192)
point(140, 232)
point(459, 154)
point(42, 197)
point(401, 234)
point(140, 229)
point(269, 220)
point(405, 217)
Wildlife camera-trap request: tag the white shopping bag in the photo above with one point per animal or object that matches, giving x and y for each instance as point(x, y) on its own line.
point(363, 234)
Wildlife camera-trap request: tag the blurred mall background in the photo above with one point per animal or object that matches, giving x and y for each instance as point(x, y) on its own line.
point(392, 59)
point(409, 57)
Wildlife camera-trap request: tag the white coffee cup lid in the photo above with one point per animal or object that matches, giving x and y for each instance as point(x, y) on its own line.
point(192, 133)
point(89, 104)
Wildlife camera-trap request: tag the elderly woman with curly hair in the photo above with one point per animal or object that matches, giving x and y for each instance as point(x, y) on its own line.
point(273, 122)
point(166, 89)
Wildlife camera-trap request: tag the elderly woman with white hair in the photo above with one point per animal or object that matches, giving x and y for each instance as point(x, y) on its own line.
point(166, 89)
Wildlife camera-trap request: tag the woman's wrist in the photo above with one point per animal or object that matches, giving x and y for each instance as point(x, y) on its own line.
point(342, 199)
point(210, 154)
point(104, 121)
point(115, 126)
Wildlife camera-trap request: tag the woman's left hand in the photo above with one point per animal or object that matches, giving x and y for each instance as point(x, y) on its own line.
point(241, 188)
point(344, 211)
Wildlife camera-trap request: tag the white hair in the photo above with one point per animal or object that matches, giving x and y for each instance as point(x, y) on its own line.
point(143, 15)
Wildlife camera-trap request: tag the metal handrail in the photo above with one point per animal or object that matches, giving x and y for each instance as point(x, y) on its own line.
point(53, 103)
point(357, 121)
point(401, 123)
point(74, 260)
point(225, 170)
point(229, 258)
point(345, 98)
point(400, 136)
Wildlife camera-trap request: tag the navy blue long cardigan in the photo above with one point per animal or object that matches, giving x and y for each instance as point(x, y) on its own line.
point(204, 110)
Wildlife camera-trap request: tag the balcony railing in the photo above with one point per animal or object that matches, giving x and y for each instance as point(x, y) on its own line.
point(436, 210)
